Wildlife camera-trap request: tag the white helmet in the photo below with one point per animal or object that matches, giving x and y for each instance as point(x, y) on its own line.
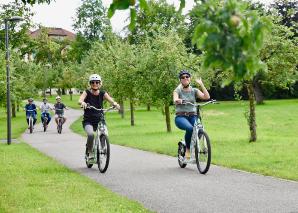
point(94, 77)
point(58, 97)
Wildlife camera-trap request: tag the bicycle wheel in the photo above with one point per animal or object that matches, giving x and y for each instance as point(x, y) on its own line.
point(59, 127)
point(203, 153)
point(30, 125)
point(45, 124)
point(103, 154)
point(89, 165)
point(181, 154)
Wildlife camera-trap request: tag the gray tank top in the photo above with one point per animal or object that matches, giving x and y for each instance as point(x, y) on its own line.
point(188, 96)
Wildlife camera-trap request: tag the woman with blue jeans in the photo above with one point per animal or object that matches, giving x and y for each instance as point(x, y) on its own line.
point(186, 115)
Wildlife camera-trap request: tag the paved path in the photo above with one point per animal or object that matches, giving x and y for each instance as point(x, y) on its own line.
point(159, 184)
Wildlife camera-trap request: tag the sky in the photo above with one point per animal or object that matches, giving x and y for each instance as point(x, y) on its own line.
point(60, 13)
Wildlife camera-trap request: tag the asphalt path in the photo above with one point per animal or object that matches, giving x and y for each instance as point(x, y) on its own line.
point(161, 185)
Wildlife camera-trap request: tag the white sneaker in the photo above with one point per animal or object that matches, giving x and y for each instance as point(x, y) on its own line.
point(91, 155)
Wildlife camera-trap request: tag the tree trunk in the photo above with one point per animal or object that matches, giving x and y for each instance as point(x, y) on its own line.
point(132, 119)
point(252, 113)
point(70, 93)
point(258, 92)
point(63, 91)
point(121, 111)
point(148, 107)
point(18, 107)
point(13, 109)
point(168, 118)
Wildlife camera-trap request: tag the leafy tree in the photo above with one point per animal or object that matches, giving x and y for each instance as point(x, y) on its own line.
point(231, 38)
point(288, 11)
point(168, 56)
point(280, 54)
point(160, 16)
point(19, 37)
point(32, 2)
point(91, 20)
point(46, 50)
point(78, 48)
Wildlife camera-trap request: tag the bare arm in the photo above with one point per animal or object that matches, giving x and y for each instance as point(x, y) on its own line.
point(110, 99)
point(204, 94)
point(176, 98)
point(82, 100)
point(82, 97)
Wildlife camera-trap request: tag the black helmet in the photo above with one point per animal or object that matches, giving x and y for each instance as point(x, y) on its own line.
point(184, 72)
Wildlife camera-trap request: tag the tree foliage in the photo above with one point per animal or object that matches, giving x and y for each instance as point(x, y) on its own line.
point(91, 20)
point(18, 32)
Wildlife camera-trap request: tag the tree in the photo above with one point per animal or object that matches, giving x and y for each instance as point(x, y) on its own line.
point(231, 37)
point(280, 55)
point(168, 56)
point(18, 38)
point(91, 20)
point(288, 11)
point(32, 2)
point(160, 16)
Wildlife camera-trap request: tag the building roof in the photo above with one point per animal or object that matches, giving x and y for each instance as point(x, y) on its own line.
point(55, 32)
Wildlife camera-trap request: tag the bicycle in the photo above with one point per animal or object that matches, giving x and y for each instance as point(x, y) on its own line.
point(200, 146)
point(45, 122)
point(30, 123)
point(101, 151)
point(60, 121)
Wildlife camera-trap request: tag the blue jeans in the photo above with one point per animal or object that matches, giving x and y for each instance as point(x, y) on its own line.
point(186, 123)
point(43, 115)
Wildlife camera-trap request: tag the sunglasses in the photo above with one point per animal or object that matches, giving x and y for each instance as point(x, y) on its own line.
point(184, 77)
point(94, 82)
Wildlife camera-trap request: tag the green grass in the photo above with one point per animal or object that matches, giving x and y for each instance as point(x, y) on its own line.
point(274, 153)
point(32, 182)
point(18, 124)
point(65, 99)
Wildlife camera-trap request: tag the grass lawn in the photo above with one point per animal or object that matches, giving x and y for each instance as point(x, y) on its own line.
point(18, 124)
point(32, 182)
point(274, 153)
point(65, 99)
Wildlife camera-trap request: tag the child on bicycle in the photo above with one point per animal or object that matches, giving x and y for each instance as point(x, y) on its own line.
point(94, 97)
point(186, 115)
point(45, 108)
point(59, 110)
point(30, 109)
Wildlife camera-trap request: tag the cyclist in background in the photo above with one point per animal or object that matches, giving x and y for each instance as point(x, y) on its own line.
point(45, 108)
point(59, 109)
point(94, 97)
point(30, 106)
point(186, 115)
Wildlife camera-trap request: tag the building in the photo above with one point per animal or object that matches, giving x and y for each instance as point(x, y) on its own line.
point(55, 33)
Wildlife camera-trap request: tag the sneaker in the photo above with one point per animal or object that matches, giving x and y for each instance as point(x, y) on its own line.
point(187, 154)
point(91, 155)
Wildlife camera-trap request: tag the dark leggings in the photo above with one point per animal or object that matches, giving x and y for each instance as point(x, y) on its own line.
point(34, 121)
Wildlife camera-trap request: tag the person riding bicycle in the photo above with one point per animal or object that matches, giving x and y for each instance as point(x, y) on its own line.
point(94, 97)
point(59, 110)
point(30, 106)
point(45, 108)
point(186, 115)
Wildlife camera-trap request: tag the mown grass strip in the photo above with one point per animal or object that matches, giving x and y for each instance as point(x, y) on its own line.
point(32, 182)
point(274, 153)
